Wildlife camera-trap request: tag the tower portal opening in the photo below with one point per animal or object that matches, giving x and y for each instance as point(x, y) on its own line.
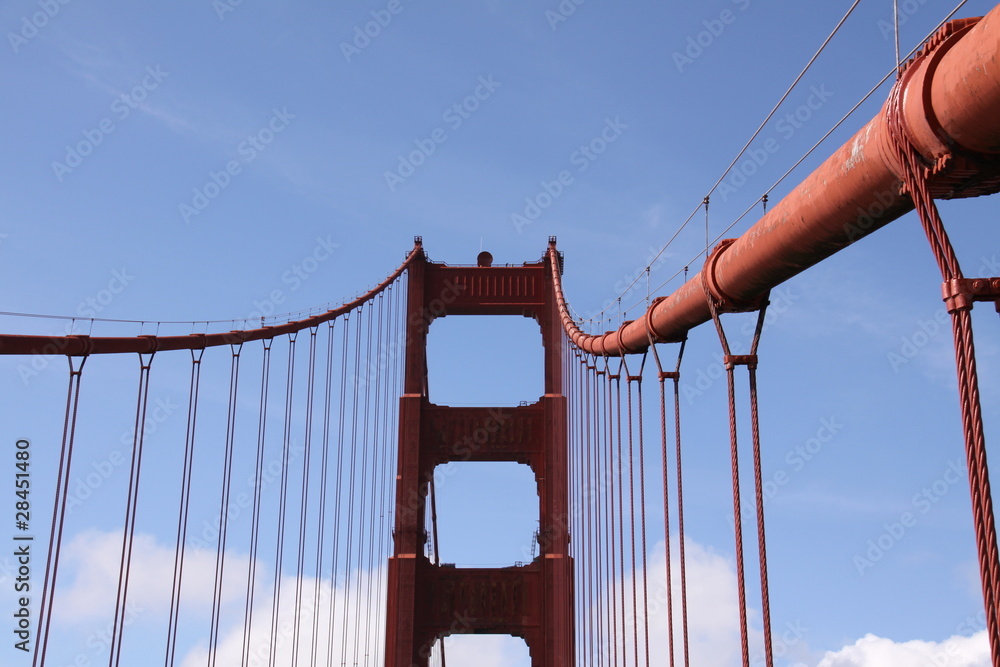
point(482, 651)
point(485, 360)
point(487, 514)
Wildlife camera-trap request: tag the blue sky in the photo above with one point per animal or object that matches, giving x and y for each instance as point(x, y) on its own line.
point(226, 160)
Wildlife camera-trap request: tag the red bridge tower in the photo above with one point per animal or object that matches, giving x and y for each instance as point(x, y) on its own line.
point(533, 601)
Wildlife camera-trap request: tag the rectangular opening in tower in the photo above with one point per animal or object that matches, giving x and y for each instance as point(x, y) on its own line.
point(482, 651)
point(487, 514)
point(485, 360)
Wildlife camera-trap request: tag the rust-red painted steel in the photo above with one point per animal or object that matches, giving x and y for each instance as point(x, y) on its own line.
point(84, 345)
point(951, 109)
point(533, 601)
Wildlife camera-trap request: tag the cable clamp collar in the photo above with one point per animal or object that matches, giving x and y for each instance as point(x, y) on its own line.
point(731, 361)
point(960, 293)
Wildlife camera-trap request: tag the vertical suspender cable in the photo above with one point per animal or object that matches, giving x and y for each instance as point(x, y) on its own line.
point(388, 444)
point(258, 487)
point(612, 532)
point(583, 536)
point(128, 531)
point(708, 243)
point(674, 375)
point(58, 510)
point(385, 348)
point(364, 487)
point(680, 502)
point(737, 518)
point(661, 375)
point(765, 599)
point(612, 540)
point(621, 504)
point(227, 475)
point(631, 512)
point(324, 467)
point(304, 498)
point(377, 466)
point(572, 487)
point(574, 479)
point(731, 362)
point(642, 518)
point(895, 23)
point(596, 506)
point(590, 493)
point(959, 301)
point(283, 501)
point(601, 450)
point(338, 485)
point(350, 492)
point(578, 538)
point(737, 505)
point(182, 513)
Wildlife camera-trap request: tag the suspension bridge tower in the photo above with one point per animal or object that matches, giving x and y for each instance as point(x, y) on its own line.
point(428, 601)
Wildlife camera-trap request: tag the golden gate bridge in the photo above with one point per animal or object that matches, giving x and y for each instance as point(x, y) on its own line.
point(348, 511)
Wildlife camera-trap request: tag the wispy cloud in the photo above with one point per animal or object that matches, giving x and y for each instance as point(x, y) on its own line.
point(872, 651)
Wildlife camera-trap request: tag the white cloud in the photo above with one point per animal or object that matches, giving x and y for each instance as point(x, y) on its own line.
point(713, 617)
point(86, 600)
point(872, 651)
point(483, 651)
point(91, 570)
point(714, 625)
point(353, 618)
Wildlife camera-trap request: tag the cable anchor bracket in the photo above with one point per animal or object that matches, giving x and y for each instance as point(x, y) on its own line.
point(960, 293)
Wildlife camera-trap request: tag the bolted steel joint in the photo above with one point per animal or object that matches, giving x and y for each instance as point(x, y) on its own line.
point(731, 361)
point(960, 293)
